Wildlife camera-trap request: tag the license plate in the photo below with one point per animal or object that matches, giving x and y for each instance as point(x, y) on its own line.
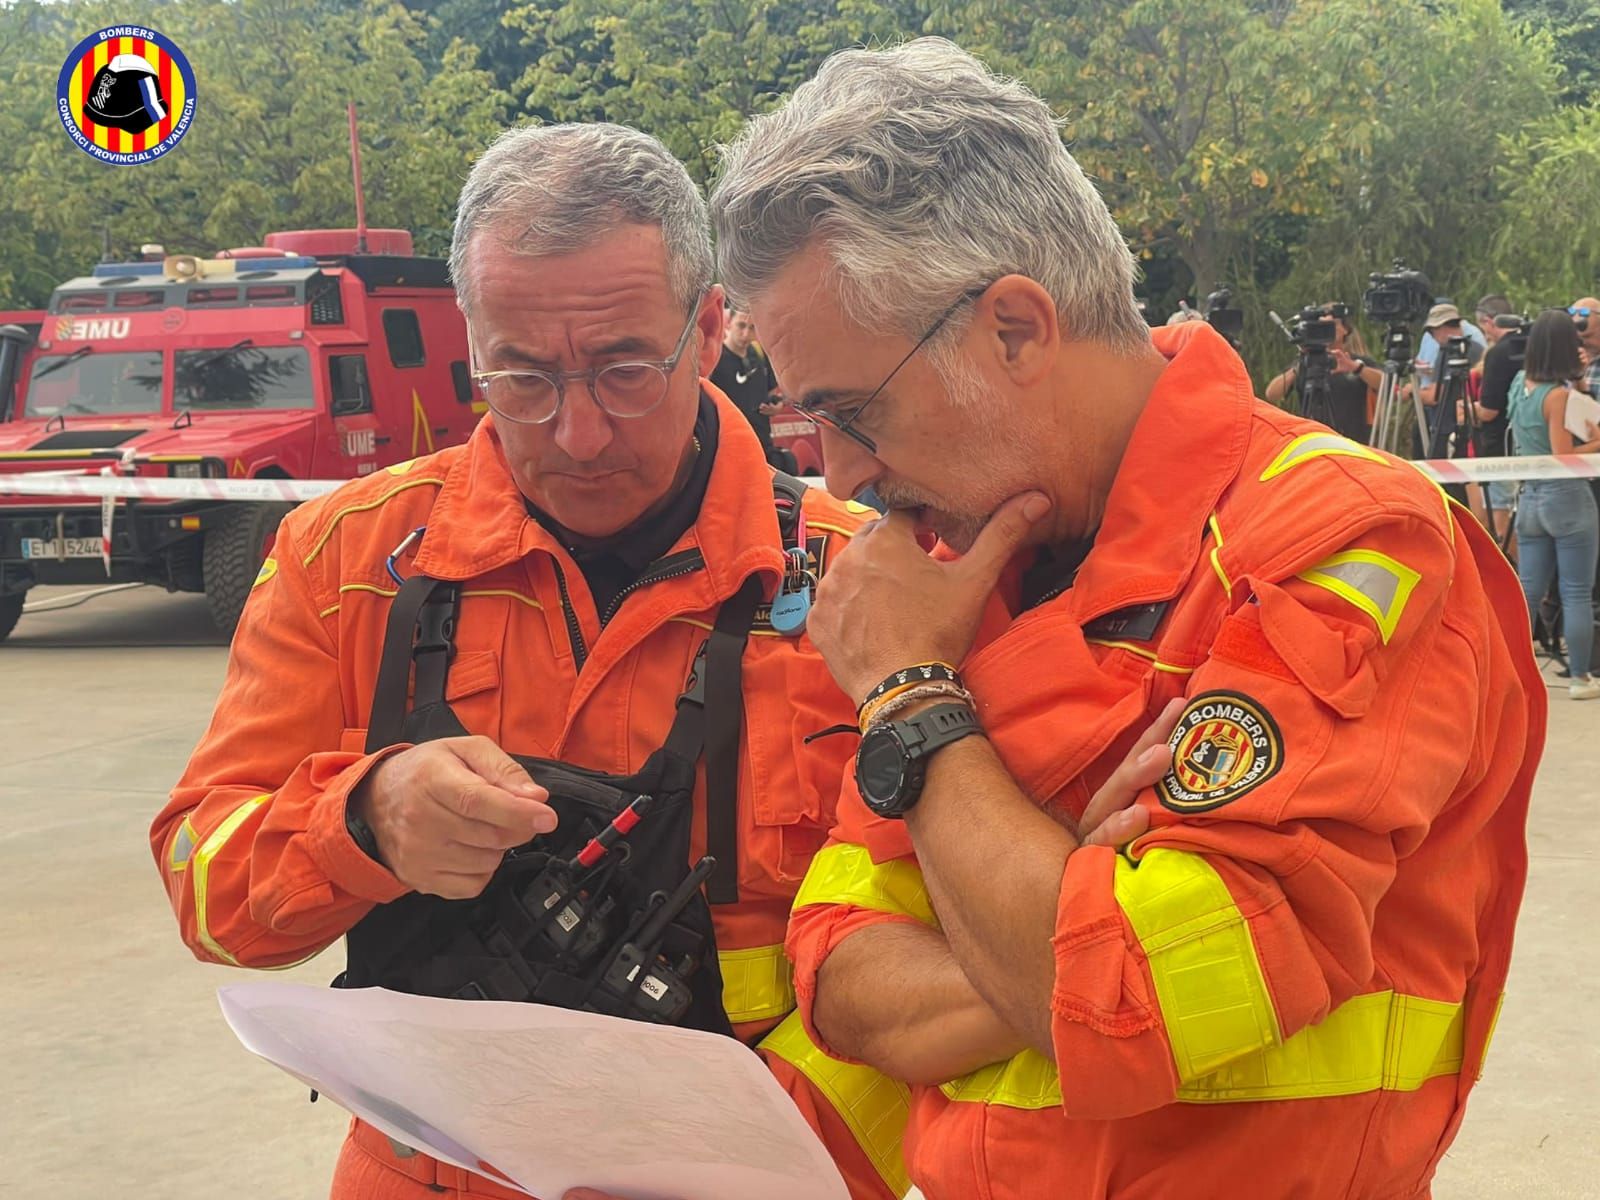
point(76, 548)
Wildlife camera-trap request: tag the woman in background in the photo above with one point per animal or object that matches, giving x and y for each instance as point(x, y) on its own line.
point(1558, 525)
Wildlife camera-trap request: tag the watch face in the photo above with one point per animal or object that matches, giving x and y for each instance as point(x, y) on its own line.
point(880, 766)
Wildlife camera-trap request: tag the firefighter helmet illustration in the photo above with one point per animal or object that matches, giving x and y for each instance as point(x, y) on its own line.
point(126, 94)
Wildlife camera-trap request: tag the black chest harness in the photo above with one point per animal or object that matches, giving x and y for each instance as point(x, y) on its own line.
point(606, 913)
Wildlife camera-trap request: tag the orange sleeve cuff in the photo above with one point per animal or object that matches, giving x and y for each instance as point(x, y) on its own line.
point(1110, 1044)
point(814, 931)
point(328, 841)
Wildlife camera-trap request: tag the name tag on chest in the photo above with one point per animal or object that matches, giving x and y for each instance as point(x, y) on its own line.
point(1136, 623)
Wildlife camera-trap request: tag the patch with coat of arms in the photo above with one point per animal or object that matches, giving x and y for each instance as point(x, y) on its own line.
point(1225, 744)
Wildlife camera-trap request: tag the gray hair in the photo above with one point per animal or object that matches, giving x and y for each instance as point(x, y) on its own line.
point(924, 175)
point(553, 189)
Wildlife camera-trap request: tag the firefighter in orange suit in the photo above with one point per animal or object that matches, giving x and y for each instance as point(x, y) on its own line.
point(511, 639)
point(1287, 985)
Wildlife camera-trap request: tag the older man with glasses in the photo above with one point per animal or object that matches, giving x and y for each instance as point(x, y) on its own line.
point(1286, 986)
point(452, 677)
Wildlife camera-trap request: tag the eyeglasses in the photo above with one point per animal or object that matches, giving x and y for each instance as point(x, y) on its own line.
point(846, 425)
point(1576, 311)
point(621, 389)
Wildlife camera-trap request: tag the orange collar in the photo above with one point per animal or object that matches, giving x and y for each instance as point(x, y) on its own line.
point(479, 522)
point(1187, 447)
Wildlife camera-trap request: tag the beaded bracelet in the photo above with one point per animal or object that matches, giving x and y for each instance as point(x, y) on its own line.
point(884, 710)
point(926, 672)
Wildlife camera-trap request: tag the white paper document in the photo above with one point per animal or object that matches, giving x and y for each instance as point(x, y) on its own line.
point(543, 1098)
point(1583, 412)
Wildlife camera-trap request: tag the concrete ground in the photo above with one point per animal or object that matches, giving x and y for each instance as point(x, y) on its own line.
point(122, 1079)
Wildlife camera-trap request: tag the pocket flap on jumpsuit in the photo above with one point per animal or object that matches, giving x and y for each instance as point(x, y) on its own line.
point(1328, 656)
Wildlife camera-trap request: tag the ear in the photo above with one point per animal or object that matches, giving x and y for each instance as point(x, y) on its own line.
point(710, 322)
point(1018, 320)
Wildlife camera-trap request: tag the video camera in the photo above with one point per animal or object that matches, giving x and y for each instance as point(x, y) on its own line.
point(1315, 327)
point(1401, 297)
point(1221, 315)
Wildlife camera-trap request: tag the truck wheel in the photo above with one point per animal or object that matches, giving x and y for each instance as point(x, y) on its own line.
point(10, 611)
point(232, 557)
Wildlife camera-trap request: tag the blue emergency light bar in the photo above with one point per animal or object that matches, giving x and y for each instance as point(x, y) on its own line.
point(298, 263)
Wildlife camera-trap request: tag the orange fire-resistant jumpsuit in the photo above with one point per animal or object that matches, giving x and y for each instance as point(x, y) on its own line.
point(1286, 988)
point(253, 846)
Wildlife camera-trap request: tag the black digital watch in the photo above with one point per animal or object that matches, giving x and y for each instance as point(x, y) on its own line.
point(892, 760)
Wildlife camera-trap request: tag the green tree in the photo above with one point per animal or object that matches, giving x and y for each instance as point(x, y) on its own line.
point(269, 145)
point(1547, 247)
point(1575, 27)
point(688, 71)
point(1429, 189)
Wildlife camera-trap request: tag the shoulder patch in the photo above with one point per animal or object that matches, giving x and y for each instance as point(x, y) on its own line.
point(1318, 445)
point(1226, 743)
point(269, 568)
point(1375, 583)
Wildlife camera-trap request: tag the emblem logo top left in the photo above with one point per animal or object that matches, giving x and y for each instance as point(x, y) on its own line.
point(126, 94)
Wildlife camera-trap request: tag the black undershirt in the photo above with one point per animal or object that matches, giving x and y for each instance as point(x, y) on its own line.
point(611, 564)
point(1053, 571)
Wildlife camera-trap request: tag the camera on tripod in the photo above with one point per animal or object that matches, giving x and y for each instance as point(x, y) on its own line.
point(1400, 297)
point(1221, 315)
point(1315, 327)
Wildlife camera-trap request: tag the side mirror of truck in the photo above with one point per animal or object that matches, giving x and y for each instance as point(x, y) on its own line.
point(348, 376)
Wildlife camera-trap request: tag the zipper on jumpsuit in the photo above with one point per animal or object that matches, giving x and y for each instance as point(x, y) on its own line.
point(673, 566)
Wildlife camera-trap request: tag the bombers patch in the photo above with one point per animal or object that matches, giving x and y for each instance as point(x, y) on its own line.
point(1224, 745)
point(126, 94)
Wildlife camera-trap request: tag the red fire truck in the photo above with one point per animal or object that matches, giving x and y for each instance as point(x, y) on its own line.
point(324, 354)
point(19, 336)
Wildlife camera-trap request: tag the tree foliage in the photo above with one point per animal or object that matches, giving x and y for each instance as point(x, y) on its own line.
point(1287, 147)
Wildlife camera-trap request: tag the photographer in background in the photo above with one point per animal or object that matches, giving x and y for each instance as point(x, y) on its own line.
point(1585, 316)
point(1444, 324)
point(1493, 376)
point(1352, 384)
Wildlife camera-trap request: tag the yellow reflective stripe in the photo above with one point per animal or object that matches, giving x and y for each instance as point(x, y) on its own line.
point(1317, 445)
point(1375, 583)
point(1488, 1040)
point(1216, 563)
point(1444, 496)
point(1380, 1041)
point(1213, 996)
point(757, 984)
point(329, 611)
point(202, 869)
point(517, 596)
point(183, 843)
point(322, 541)
point(1030, 1080)
point(874, 1106)
point(381, 591)
point(1383, 1040)
point(842, 532)
point(1143, 653)
point(846, 874)
point(707, 626)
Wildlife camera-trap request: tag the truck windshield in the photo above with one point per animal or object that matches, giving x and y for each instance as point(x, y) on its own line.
point(106, 383)
point(242, 376)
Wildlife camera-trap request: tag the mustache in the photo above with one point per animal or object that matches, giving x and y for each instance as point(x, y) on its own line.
point(896, 496)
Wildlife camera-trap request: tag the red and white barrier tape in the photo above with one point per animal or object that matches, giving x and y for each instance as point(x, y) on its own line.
point(1508, 470)
point(141, 487)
